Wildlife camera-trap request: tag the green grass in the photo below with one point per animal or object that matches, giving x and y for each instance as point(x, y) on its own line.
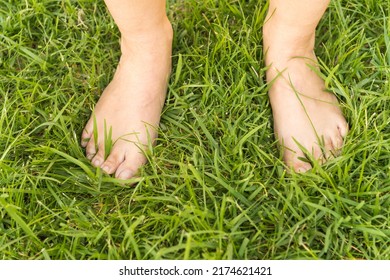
point(215, 187)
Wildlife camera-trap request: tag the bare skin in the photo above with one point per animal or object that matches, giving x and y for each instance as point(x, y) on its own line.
point(131, 104)
point(303, 111)
point(307, 118)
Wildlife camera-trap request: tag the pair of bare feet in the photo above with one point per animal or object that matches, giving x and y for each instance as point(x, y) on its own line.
point(306, 117)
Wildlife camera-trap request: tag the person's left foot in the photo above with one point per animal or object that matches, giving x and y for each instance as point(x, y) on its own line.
point(306, 116)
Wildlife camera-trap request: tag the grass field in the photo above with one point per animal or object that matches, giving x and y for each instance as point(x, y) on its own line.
point(215, 186)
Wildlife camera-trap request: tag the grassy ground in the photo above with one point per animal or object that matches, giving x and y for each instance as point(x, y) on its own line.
point(215, 187)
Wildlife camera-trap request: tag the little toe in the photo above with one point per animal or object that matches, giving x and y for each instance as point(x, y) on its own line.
point(329, 151)
point(90, 149)
point(343, 128)
point(337, 143)
point(84, 141)
point(86, 136)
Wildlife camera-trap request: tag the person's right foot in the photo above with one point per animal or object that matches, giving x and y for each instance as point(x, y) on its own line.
point(131, 104)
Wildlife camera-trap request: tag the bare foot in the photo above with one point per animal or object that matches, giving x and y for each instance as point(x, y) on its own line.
point(131, 104)
point(307, 118)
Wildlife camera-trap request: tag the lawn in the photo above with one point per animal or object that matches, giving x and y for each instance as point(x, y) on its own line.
point(215, 186)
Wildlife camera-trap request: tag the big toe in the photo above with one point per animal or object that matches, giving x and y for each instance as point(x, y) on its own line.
point(295, 160)
point(126, 173)
point(129, 167)
point(127, 170)
point(113, 161)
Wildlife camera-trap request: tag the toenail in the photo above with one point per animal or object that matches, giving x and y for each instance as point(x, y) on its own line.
point(303, 169)
point(96, 162)
point(89, 156)
point(125, 174)
point(106, 168)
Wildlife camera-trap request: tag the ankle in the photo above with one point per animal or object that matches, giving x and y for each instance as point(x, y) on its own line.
point(156, 36)
point(282, 43)
point(144, 31)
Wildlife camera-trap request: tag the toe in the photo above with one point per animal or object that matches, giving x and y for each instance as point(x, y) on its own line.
point(85, 138)
point(86, 135)
point(126, 170)
point(337, 143)
point(299, 165)
point(113, 161)
point(302, 167)
point(90, 149)
point(125, 174)
point(343, 128)
point(295, 161)
point(129, 167)
point(319, 152)
point(329, 151)
point(98, 159)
